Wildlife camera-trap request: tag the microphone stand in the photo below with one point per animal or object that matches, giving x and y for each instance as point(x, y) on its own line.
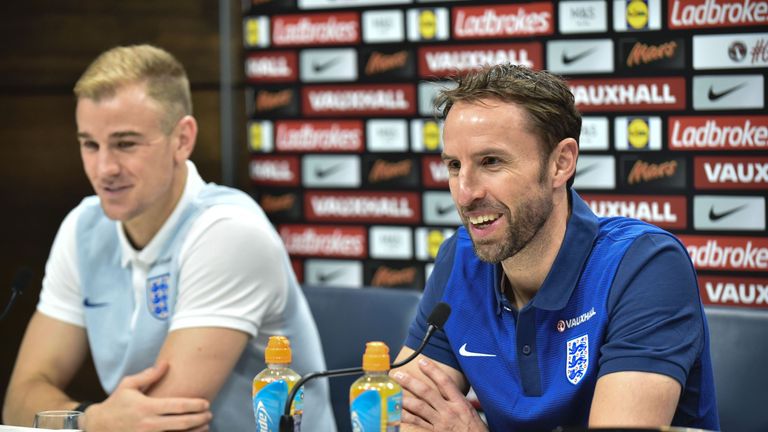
point(436, 320)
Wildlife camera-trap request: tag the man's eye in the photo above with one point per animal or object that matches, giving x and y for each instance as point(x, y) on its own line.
point(125, 144)
point(452, 166)
point(491, 161)
point(89, 145)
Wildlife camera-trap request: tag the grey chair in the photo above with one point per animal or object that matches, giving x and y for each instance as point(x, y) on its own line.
point(347, 318)
point(739, 347)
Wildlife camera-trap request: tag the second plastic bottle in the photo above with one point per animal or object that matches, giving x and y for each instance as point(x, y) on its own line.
point(375, 398)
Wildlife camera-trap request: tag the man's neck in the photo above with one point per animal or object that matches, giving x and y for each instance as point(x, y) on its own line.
point(143, 228)
point(527, 270)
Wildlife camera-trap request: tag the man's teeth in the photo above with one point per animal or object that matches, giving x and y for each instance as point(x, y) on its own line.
point(482, 219)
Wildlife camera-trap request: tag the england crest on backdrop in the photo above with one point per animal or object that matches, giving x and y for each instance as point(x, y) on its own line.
point(577, 359)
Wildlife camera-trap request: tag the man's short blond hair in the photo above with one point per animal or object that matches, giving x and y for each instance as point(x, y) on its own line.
point(165, 78)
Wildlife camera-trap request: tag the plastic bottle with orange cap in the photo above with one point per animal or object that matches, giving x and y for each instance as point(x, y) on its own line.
point(375, 399)
point(272, 385)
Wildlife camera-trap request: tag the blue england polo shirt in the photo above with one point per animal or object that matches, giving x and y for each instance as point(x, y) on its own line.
point(621, 296)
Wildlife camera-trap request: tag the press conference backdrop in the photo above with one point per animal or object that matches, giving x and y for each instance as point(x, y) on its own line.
point(345, 147)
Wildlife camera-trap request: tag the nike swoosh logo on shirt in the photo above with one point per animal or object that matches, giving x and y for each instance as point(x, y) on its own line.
point(466, 353)
point(87, 303)
point(717, 216)
point(713, 95)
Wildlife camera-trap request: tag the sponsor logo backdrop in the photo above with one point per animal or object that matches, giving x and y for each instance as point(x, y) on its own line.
point(345, 147)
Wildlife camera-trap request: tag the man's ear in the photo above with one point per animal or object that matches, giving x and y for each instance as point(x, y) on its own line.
point(185, 137)
point(563, 160)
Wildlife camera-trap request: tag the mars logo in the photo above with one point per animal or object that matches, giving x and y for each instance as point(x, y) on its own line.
point(746, 292)
point(391, 274)
point(284, 207)
point(395, 172)
point(389, 64)
point(686, 14)
point(637, 14)
point(654, 173)
point(652, 53)
point(274, 102)
point(731, 172)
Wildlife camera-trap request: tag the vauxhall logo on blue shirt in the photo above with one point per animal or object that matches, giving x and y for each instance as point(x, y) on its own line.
point(157, 296)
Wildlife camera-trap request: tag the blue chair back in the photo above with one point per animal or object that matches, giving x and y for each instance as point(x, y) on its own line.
point(739, 347)
point(347, 318)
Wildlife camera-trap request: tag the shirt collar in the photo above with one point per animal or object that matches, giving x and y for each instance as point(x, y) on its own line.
point(149, 253)
point(580, 235)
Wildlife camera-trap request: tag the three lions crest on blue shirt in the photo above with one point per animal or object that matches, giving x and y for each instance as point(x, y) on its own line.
point(577, 361)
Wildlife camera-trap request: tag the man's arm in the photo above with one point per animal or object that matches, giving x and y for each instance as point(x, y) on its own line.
point(51, 353)
point(433, 396)
point(634, 399)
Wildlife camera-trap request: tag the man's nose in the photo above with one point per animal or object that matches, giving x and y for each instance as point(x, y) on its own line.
point(109, 164)
point(469, 187)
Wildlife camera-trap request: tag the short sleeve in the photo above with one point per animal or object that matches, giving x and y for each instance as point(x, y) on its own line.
point(61, 297)
point(232, 273)
point(438, 347)
point(655, 315)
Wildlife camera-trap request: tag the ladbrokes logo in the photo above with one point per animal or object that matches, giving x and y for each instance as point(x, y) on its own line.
point(685, 14)
point(275, 66)
point(316, 29)
point(273, 170)
point(718, 133)
point(307, 240)
point(319, 136)
point(435, 174)
point(727, 253)
point(734, 291)
point(629, 94)
point(731, 172)
point(448, 60)
point(363, 207)
point(479, 22)
point(663, 211)
point(384, 99)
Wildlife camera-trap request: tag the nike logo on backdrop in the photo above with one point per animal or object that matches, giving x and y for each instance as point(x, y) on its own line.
point(321, 67)
point(466, 353)
point(717, 216)
point(327, 277)
point(570, 59)
point(587, 169)
point(443, 210)
point(87, 303)
point(713, 96)
point(325, 172)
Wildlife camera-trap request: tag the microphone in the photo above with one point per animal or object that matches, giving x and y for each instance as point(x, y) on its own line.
point(435, 321)
point(20, 281)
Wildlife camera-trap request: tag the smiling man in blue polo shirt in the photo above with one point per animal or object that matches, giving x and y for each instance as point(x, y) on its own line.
point(560, 318)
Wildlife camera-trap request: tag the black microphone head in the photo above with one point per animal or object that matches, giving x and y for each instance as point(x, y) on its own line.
point(439, 315)
point(21, 279)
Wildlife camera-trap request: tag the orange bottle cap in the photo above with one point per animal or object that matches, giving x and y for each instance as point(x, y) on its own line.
point(278, 350)
point(376, 357)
